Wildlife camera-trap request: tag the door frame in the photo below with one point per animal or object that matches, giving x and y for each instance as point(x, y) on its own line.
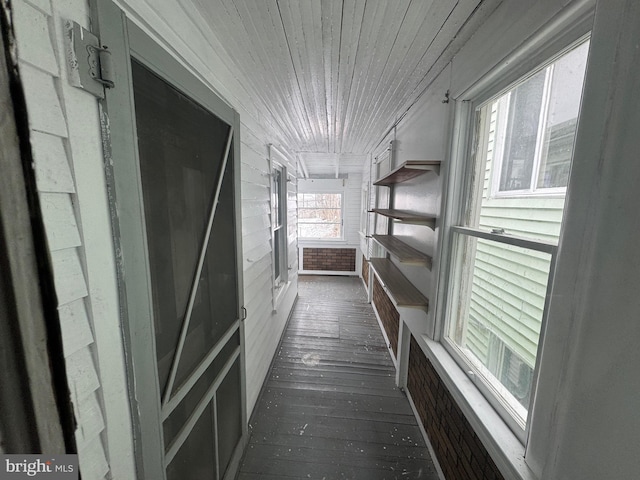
point(117, 116)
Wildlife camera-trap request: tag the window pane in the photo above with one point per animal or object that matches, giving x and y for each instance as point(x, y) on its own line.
point(181, 148)
point(521, 137)
point(320, 215)
point(196, 458)
point(524, 147)
point(319, 200)
point(230, 424)
point(522, 213)
point(498, 315)
point(276, 252)
point(320, 230)
point(277, 195)
point(562, 117)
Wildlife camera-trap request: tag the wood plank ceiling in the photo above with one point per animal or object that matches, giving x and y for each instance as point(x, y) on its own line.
point(333, 76)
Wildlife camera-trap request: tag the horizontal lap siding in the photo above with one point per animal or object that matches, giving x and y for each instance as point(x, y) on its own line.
point(535, 218)
point(35, 29)
point(256, 222)
point(56, 109)
point(509, 288)
point(264, 324)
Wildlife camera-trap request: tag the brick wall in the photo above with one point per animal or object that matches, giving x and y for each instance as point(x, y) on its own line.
point(388, 314)
point(365, 271)
point(329, 259)
point(459, 451)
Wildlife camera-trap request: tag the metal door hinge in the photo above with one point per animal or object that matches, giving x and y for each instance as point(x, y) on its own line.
point(244, 314)
point(90, 66)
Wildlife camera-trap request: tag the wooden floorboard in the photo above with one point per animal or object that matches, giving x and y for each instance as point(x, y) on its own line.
point(329, 408)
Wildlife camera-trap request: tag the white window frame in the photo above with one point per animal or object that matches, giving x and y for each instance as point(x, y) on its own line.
point(342, 223)
point(493, 391)
point(506, 447)
point(479, 374)
point(364, 209)
point(500, 143)
point(278, 200)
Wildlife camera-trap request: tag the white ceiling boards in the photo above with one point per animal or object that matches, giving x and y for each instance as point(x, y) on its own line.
point(332, 76)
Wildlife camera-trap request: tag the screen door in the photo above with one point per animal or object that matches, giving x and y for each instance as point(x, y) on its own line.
point(187, 183)
point(175, 193)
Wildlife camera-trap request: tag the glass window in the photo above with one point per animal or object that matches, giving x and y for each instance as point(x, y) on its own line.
point(498, 315)
point(320, 215)
point(536, 124)
point(278, 213)
point(504, 247)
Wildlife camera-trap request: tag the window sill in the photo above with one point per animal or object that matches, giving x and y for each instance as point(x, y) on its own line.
point(307, 242)
point(501, 443)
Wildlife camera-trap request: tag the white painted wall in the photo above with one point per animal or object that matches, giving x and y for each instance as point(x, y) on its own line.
point(422, 135)
point(585, 423)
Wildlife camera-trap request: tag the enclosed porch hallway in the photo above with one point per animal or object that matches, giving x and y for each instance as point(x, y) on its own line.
point(329, 408)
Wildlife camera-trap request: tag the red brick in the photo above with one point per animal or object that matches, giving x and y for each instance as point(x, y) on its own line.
point(460, 453)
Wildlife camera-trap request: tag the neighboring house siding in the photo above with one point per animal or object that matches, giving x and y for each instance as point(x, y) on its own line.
point(37, 25)
point(513, 312)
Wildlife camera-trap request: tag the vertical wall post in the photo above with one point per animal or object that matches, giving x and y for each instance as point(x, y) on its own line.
point(404, 340)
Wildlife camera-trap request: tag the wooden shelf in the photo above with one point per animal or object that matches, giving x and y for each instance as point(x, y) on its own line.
point(403, 252)
point(402, 290)
point(407, 217)
point(407, 171)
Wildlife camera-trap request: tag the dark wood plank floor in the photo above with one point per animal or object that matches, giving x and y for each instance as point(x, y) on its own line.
point(330, 408)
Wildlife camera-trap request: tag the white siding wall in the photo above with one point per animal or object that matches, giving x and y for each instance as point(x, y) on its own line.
point(68, 159)
point(58, 149)
point(265, 322)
